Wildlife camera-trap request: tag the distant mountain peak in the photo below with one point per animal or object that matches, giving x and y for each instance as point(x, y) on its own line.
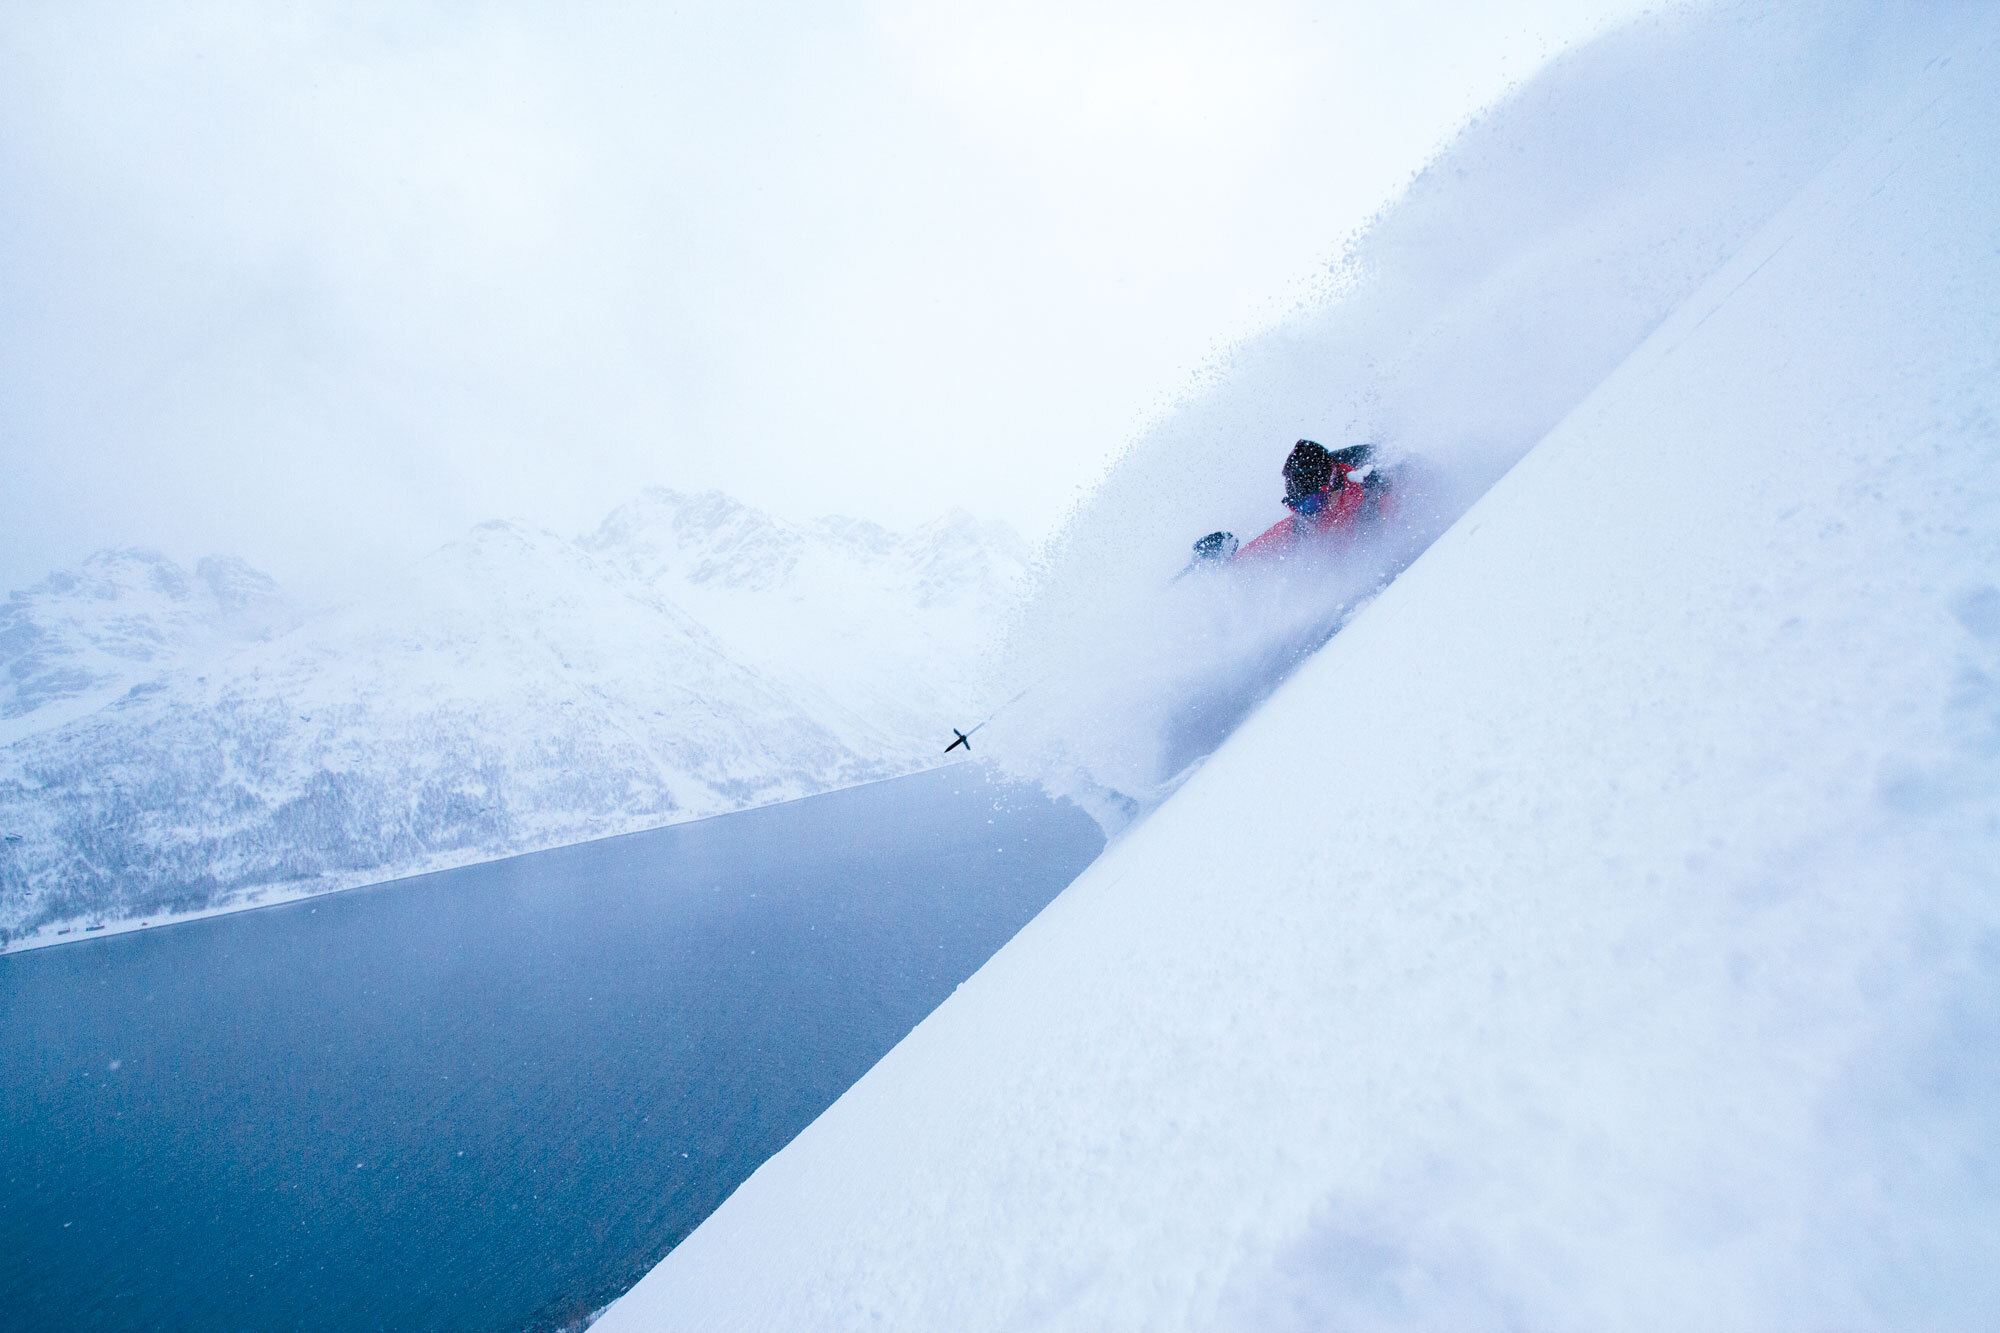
point(235, 584)
point(120, 617)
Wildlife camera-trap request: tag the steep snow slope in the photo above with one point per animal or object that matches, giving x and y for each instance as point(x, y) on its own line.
point(1601, 932)
point(514, 691)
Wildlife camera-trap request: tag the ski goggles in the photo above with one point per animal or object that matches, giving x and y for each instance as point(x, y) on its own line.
point(1308, 505)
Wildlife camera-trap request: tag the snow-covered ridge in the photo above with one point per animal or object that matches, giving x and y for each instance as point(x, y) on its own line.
point(178, 743)
point(80, 638)
point(1603, 930)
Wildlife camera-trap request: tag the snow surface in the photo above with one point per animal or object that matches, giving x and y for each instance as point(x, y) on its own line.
point(515, 690)
point(1600, 932)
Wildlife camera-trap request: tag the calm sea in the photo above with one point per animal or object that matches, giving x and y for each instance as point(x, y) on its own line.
point(491, 1098)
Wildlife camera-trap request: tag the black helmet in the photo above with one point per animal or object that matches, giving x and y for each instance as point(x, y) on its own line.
point(1307, 470)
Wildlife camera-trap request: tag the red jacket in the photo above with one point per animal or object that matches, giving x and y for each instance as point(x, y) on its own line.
point(1349, 502)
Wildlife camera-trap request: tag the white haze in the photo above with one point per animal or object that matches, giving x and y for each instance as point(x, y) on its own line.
point(323, 285)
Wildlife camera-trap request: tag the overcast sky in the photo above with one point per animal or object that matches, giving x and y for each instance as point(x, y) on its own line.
point(323, 284)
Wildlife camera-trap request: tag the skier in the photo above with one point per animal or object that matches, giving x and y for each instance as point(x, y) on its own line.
point(1331, 494)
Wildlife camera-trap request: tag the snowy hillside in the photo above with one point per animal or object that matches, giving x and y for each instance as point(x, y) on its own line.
point(1603, 930)
point(80, 639)
point(515, 690)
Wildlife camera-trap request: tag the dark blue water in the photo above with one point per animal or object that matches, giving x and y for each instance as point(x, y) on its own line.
point(490, 1098)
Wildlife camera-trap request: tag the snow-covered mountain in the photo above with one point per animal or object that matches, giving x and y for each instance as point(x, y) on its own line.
point(83, 637)
point(1603, 930)
point(515, 690)
point(843, 586)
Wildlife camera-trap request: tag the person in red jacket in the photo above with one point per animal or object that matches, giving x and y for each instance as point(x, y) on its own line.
point(1331, 493)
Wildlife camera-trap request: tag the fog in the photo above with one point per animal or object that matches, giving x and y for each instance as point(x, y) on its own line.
point(322, 285)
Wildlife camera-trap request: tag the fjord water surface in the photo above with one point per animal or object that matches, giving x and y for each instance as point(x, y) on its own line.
point(490, 1098)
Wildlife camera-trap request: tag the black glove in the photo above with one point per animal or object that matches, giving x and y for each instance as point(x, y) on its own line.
point(1216, 546)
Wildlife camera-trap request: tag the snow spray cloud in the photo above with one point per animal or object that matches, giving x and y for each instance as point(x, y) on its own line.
point(1518, 270)
point(1123, 713)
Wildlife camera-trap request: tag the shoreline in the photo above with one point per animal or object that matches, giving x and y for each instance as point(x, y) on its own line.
point(78, 930)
